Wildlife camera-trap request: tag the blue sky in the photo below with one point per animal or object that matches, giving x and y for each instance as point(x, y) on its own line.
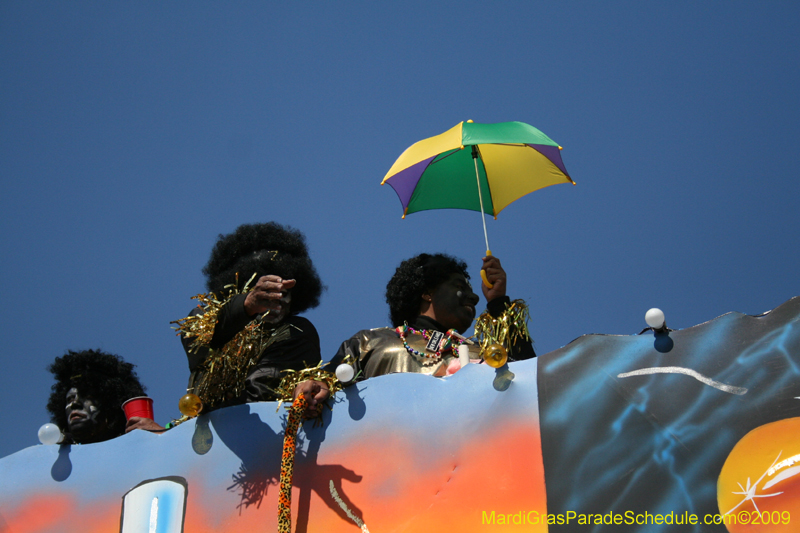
point(134, 133)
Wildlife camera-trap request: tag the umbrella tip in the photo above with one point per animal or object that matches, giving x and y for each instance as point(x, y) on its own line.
point(560, 147)
point(469, 121)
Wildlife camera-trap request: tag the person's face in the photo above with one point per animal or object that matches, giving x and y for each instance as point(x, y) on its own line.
point(453, 303)
point(285, 303)
point(84, 418)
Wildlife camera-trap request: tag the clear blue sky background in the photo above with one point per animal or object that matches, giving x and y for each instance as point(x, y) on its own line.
point(132, 134)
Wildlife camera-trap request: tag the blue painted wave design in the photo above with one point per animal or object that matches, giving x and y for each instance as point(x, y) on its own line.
point(656, 443)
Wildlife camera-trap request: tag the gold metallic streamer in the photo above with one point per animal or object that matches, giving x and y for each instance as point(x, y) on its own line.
point(295, 377)
point(223, 372)
point(507, 329)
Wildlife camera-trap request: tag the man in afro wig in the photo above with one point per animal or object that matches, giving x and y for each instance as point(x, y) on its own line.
point(87, 397)
point(431, 303)
point(261, 277)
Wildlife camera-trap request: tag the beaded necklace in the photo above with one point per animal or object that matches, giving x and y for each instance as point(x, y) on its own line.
point(451, 338)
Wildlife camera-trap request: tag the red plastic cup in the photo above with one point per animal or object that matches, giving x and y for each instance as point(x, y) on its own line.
point(141, 406)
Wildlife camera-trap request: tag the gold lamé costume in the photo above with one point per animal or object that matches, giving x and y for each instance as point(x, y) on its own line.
point(375, 352)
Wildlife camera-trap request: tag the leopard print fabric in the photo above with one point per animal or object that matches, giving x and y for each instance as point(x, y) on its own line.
point(287, 464)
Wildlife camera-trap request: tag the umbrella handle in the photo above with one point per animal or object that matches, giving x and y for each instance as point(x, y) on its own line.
point(483, 218)
point(483, 273)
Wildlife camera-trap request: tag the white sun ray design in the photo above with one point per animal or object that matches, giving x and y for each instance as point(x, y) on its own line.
point(749, 492)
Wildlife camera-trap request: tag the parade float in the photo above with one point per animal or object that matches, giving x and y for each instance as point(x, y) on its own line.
point(661, 431)
point(669, 430)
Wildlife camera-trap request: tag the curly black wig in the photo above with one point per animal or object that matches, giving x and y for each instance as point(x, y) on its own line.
point(104, 377)
point(263, 249)
point(413, 278)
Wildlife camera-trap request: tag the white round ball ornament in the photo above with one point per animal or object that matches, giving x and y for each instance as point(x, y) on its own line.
point(345, 373)
point(49, 434)
point(654, 318)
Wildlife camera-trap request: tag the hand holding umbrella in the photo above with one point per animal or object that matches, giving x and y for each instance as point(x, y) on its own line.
point(508, 160)
point(493, 273)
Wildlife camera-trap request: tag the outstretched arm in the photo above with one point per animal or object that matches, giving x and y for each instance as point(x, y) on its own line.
point(233, 315)
point(317, 391)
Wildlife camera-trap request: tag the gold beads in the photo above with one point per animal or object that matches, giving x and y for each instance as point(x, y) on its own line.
point(495, 355)
point(190, 405)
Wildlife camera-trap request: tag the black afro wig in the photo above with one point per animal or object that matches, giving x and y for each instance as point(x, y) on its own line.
point(263, 249)
point(413, 278)
point(104, 377)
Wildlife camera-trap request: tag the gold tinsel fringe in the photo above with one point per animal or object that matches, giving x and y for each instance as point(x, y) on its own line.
point(506, 329)
point(224, 371)
point(201, 327)
point(295, 377)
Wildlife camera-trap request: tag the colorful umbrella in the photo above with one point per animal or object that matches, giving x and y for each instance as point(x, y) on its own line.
point(506, 161)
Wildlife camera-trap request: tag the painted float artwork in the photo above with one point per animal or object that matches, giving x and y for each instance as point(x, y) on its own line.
point(404, 452)
point(684, 422)
point(696, 422)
